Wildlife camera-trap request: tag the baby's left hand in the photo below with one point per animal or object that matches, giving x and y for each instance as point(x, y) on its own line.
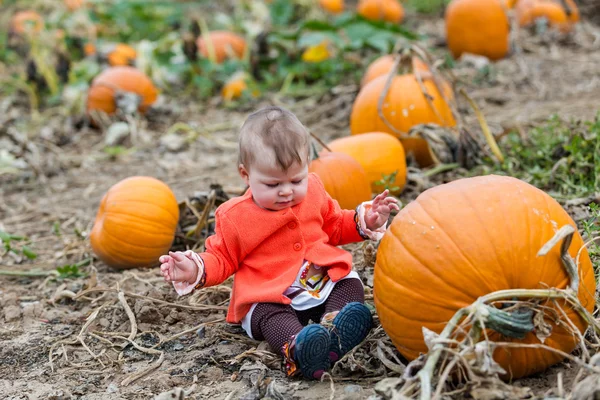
point(380, 210)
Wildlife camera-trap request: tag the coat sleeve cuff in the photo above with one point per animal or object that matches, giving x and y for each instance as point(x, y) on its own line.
point(361, 225)
point(183, 288)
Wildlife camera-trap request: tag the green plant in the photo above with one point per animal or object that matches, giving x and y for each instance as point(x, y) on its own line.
point(591, 234)
point(561, 158)
point(427, 6)
point(17, 244)
point(70, 271)
point(388, 181)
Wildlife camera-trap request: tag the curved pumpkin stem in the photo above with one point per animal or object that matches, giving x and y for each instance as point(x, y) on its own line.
point(567, 7)
point(322, 143)
point(566, 235)
point(384, 93)
point(422, 54)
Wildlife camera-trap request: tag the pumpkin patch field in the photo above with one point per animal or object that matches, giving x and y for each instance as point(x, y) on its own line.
point(119, 126)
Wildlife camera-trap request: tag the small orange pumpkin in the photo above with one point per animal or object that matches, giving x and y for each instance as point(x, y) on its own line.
point(74, 4)
point(225, 44)
point(343, 177)
point(478, 27)
point(236, 85)
point(563, 19)
point(122, 54)
point(135, 223)
point(380, 155)
point(89, 49)
point(333, 6)
point(404, 106)
point(381, 10)
point(101, 95)
point(462, 240)
point(23, 21)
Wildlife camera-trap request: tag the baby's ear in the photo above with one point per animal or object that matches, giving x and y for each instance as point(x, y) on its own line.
point(244, 173)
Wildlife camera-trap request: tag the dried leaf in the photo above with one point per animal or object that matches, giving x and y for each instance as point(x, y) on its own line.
point(430, 338)
point(542, 329)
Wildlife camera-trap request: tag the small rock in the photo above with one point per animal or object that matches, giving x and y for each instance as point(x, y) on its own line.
point(201, 332)
point(9, 299)
point(173, 317)
point(112, 388)
point(478, 62)
point(104, 323)
point(12, 313)
point(47, 133)
point(178, 346)
point(174, 142)
point(116, 133)
point(349, 389)
point(149, 315)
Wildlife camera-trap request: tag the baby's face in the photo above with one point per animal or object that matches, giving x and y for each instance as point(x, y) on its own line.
point(274, 189)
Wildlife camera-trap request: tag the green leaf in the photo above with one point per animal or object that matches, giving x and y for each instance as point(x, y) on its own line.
point(316, 25)
point(28, 252)
point(281, 11)
point(5, 237)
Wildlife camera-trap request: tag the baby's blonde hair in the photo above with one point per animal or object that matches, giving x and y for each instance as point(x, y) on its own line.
point(277, 129)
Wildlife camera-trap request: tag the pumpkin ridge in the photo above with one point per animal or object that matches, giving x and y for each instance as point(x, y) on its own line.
point(461, 252)
point(137, 219)
point(147, 202)
point(430, 272)
point(128, 243)
point(484, 226)
point(416, 297)
point(139, 227)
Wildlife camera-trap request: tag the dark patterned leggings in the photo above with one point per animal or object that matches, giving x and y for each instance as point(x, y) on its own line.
point(277, 323)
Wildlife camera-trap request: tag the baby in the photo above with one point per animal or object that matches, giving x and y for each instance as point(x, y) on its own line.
point(279, 239)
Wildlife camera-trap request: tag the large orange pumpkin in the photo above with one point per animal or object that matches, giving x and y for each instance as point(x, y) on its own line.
point(404, 106)
point(122, 54)
point(24, 21)
point(478, 27)
point(381, 10)
point(343, 177)
point(101, 95)
point(528, 11)
point(136, 223)
point(225, 44)
point(465, 239)
point(333, 6)
point(380, 154)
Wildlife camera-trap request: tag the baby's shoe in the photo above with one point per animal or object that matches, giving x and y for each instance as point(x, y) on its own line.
point(308, 352)
point(350, 326)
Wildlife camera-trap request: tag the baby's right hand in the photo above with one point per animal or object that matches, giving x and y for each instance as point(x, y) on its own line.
point(176, 267)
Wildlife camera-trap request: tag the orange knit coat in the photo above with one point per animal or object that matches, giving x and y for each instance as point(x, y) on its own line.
point(265, 249)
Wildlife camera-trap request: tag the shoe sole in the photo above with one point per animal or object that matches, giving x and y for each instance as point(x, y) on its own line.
point(312, 350)
point(351, 327)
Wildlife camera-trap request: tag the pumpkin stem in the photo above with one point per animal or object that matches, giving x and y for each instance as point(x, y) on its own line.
point(313, 151)
point(567, 8)
point(388, 83)
point(514, 324)
point(422, 54)
point(322, 143)
point(566, 235)
point(484, 127)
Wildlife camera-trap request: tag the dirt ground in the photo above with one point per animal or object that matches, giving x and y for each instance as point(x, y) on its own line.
point(60, 345)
